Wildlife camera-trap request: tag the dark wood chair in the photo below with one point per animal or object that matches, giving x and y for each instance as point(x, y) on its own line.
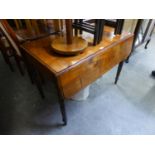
point(31, 29)
point(9, 49)
point(94, 27)
point(4, 48)
point(117, 24)
point(14, 43)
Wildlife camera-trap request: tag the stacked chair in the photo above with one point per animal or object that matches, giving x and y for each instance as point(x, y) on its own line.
point(10, 44)
point(96, 27)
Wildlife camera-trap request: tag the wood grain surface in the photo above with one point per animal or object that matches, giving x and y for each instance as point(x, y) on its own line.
point(76, 72)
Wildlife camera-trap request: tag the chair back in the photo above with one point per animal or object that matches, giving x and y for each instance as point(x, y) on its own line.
point(117, 24)
point(36, 26)
point(10, 36)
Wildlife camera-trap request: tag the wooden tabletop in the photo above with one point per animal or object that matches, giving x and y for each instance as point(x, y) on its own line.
point(41, 50)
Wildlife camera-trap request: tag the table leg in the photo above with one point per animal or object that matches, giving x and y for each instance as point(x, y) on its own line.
point(61, 104)
point(63, 110)
point(18, 62)
point(29, 67)
point(119, 71)
point(38, 83)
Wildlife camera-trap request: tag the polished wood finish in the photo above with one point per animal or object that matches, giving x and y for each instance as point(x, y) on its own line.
point(60, 45)
point(69, 31)
point(76, 72)
point(93, 67)
point(69, 45)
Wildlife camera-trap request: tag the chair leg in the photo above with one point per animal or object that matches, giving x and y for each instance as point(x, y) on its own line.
point(147, 43)
point(76, 30)
point(101, 26)
point(96, 34)
point(119, 71)
point(81, 21)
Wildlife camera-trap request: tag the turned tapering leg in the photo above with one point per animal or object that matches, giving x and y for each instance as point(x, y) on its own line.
point(63, 110)
point(119, 71)
point(61, 104)
point(18, 62)
point(38, 83)
point(29, 67)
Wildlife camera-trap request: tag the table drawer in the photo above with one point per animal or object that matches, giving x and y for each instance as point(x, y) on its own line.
point(92, 68)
